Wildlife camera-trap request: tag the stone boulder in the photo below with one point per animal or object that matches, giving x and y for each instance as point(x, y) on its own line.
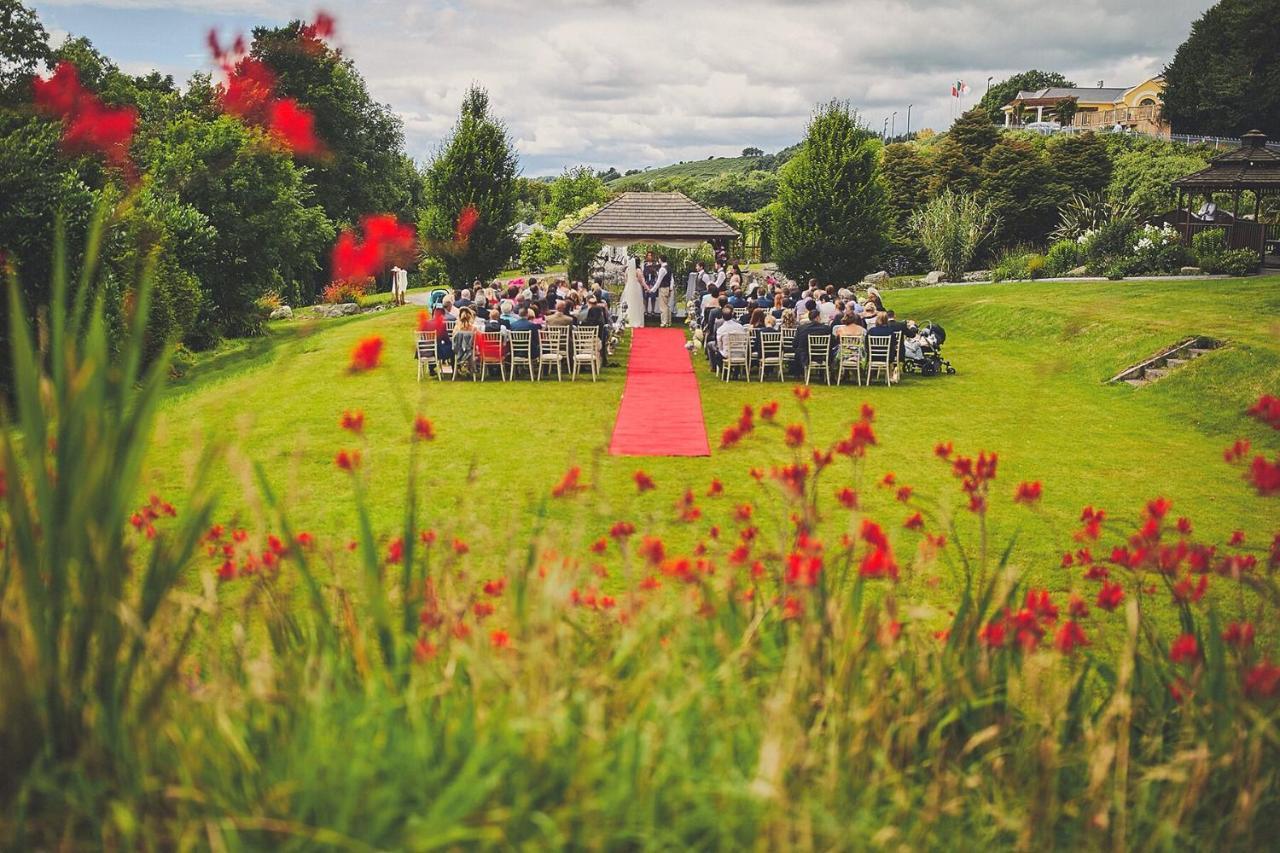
point(978, 275)
point(876, 277)
point(284, 312)
point(1078, 272)
point(343, 309)
point(1191, 271)
point(935, 277)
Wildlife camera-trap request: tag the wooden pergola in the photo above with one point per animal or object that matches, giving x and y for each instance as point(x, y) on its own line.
point(1253, 167)
point(669, 219)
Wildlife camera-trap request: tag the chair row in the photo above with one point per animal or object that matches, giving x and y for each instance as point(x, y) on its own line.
point(479, 352)
point(864, 355)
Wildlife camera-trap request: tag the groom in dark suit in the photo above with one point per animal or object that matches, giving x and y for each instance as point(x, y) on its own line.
point(649, 280)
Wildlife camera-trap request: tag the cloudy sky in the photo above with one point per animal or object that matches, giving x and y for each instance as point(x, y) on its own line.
point(633, 83)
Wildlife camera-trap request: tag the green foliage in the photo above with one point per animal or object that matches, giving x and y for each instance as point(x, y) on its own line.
point(1080, 163)
point(264, 229)
point(1209, 248)
point(1064, 111)
point(952, 227)
point(1028, 81)
point(1017, 184)
point(365, 170)
point(742, 192)
point(906, 177)
point(475, 166)
point(539, 250)
point(974, 132)
point(432, 273)
point(1088, 212)
point(573, 190)
point(24, 47)
point(1019, 264)
point(1225, 78)
point(1143, 171)
point(1110, 245)
point(1062, 257)
point(832, 219)
point(577, 252)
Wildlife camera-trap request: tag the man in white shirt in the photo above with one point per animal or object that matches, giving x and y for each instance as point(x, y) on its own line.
point(827, 308)
point(729, 326)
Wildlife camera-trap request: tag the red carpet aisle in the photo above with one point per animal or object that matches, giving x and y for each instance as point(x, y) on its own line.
point(661, 411)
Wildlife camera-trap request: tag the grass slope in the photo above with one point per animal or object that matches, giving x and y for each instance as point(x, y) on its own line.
point(1032, 361)
point(696, 169)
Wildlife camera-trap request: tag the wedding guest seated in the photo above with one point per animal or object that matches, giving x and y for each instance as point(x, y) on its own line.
point(815, 326)
point(526, 324)
point(435, 323)
point(559, 319)
point(509, 314)
point(597, 318)
point(464, 299)
point(850, 326)
point(755, 327)
point(728, 325)
point(827, 308)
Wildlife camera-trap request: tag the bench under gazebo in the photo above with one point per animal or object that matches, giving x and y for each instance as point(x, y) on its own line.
point(1254, 168)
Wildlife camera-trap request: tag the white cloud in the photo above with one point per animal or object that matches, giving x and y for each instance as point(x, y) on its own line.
point(644, 82)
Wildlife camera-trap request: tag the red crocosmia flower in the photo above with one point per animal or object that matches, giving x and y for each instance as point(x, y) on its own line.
point(1097, 572)
point(802, 392)
point(394, 241)
point(1110, 596)
point(322, 28)
point(1267, 410)
point(803, 569)
point(305, 539)
point(423, 429)
point(742, 512)
point(1237, 451)
point(481, 609)
point(467, 221)
point(1237, 538)
point(848, 498)
point(460, 547)
point(643, 481)
point(1264, 475)
point(1092, 523)
point(227, 571)
point(427, 537)
point(1184, 649)
point(60, 95)
point(795, 435)
point(1027, 493)
point(599, 546)
point(868, 414)
point(424, 651)
point(249, 89)
point(1262, 681)
point(1038, 602)
point(889, 479)
point(500, 639)
point(878, 563)
point(568, 484)
point(347, 460)
point(652, 549)
point(1239, 634)
point(904, 493)
point(1159, 507)
point(622, 529)
point(729, 437)
point(1184, 526)
point(353, 421)
point(1069, 638)
point(769, 410)
point(914, 522)
point(294, 126)
point(650, 583)
point(943, 451)
point(1077, 607)
point(366, 354)
point(716, 488)
point(88, 124)
point(994, 633)
point(792, 608)
point(1188, 591)
point(395, 551)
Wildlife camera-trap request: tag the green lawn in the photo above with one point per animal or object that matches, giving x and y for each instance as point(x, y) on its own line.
point(1032, 360)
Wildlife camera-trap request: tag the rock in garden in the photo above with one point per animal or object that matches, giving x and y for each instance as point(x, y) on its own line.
point(935, 277)
point(284, 312)
point(1190, 271)
point(1077, 272)
point(346, 309)
point(877, 277)
point(978, 275)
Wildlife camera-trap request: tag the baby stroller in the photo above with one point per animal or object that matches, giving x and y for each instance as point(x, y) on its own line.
point(922, 350)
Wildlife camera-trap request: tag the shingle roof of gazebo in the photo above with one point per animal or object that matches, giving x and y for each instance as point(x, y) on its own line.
point(636, 216)
point(1251, 166)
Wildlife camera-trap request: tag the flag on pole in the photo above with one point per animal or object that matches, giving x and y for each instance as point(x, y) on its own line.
point(963, 87)
point(955, 93)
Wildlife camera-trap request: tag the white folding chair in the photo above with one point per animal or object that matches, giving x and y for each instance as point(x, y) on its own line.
point(449, 323)
point(427, 349)
point(551, 345)
point(521, 355)
point(740, 314)
point(771, 354)
point(880, 356)
point(849, 357)
point(788, 345)
point(819, 356)
point(737, 353)
point(586, 350)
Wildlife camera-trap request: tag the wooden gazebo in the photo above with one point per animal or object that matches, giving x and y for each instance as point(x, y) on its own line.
point(1253, 167)
point(670, 219)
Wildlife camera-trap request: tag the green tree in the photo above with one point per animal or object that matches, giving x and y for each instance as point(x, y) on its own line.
point(1064, 110)
point(268, 234)
point(1028, 81)
point(1141, 176)
point(1017, 183)
point(573, 190)
point(366, 169)
point(975, 133)
point(832, 218)
point(950, 169)
point(1225, 78)
point(1081, 163)
point(24, 47)
point(906, 178)
point(476, 166)
point(742, 192)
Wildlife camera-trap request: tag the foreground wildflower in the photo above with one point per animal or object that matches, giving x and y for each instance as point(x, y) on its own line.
point(366, 354)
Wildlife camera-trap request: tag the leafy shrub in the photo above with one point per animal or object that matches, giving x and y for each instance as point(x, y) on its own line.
point(1208, 244)
point(1235, 262)
point(1157, 250)
point(345, 291)
point(1087, 212)
point(268, 302)
point(951, 227)
point(1062, 257)
point(539, 250)
point(1114, 240)
point(431, 273)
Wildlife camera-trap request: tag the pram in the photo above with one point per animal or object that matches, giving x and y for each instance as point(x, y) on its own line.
point(922, 350)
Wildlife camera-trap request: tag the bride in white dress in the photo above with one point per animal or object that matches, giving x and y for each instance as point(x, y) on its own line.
point(633, 295)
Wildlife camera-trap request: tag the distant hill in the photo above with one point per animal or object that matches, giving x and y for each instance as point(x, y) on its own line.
point(700, 170)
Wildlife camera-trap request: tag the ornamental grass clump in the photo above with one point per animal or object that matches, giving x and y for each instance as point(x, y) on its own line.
point(714, 673)
point(952, 227)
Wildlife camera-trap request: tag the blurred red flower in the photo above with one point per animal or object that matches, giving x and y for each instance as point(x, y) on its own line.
point(347, 460)
point(795, 435)
point(353, 421)
point(1110, 596)
point(89, 125)
point(1239, 634)
point(366, 354)
point(423, 429)
point(568, 484)
point(467, 221)
point(500, 639)
point(1184, 649)
point(643, 481)
point(294, 126)
point(1267, 410)
point(1069, 638)
point(1027, 493)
